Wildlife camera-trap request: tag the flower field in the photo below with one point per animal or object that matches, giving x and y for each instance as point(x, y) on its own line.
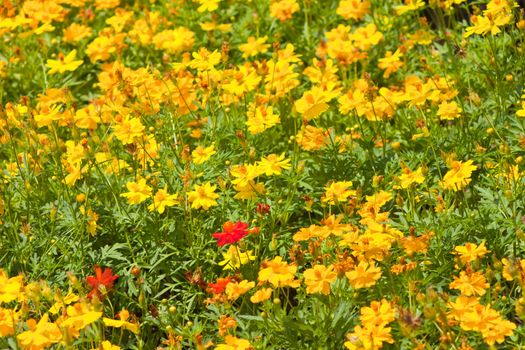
point(262, 174)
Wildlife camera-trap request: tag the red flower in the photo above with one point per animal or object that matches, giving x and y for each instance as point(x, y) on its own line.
point(232, 233)
point(105, 279)
point(219, 286)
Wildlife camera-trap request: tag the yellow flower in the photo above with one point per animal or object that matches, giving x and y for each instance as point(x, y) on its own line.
point(353, 9)
point(313, 103)
point(64, 63)
point(138, 192)
point(364, 275)
point(261, 295)
point(122, 322)
point(100, 49)
point(234, 258)
point(319, 278)
point(283, 9)
point(244, 174)
point(378, 313)
point(203, 60)
point(448, 111)
point(390, 63)
point(409, 5)
point(106, 345)
point(45, 118)
point(249, 191)
point(234, 343)
point(201, 154)
point(10, 288)
point(40, 335)
point(163, 199)
point(337, 192)
point(470, 252)
point(473, 316)
point(254, 47)
point(78, 316)
point(278, 273)
point(87, 118)
point(128, 129)
point(473, 283)
point(459, 176)
point(208, 5)
point(261, 118)
point(8, 321)
point(63, 301)
point(409, 177)
point(203, 196)
point(235, 289)
point(76, 32)
point(273, 164)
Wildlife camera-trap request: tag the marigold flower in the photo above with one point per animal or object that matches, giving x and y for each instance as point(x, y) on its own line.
point(122, 322)
point(254, 47)
point(338, 192)
point(10, 288)
point(138, 191)
point(459, 176)
point(283, 9)
point(261, 295)
point(470, 284)
point(319, 278)
point(163, 199)
point(235, 289)
point(8, 322)
point(201, 154)
point(234, 343)
point(203, 196)
point(41, 336)
point(278, 273)
point(448, 110)
point(234, 258)
point(64, 63)
point(363, 275)
point(273, 164)
point(470, 252)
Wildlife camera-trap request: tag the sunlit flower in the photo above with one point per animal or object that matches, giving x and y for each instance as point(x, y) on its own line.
point(138, 191)
point(122, 322)
point(163, 199)
point(273, 164)
point(470, 252)
point(261, 295)
point(319, 278)
point(278, 273)
point(364, 275)
point(203, 196)
point(473, 283)
point(235, 257)
point(338, 192)
point(202, 154)
point(458, 176)
point(64, 63)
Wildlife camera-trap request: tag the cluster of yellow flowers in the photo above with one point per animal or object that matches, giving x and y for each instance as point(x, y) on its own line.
point(62, 318)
